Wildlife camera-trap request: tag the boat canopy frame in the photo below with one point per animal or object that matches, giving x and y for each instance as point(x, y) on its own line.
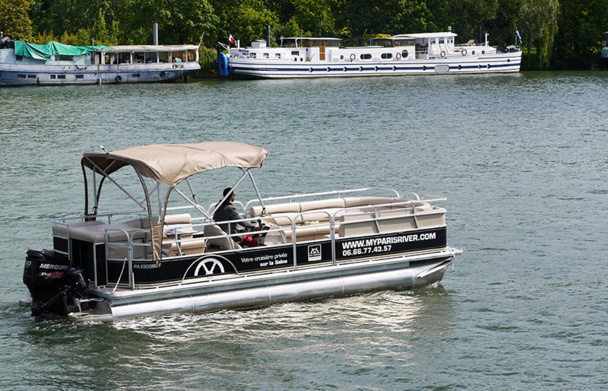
point(168, 164)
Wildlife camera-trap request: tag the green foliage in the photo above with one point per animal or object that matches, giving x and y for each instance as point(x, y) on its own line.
point(14, 19)
point(207, 59)
point(581, 25)
point(44, 37)
point(315, 16)
point(246, 20)
point(538, 25)
point(179, 21)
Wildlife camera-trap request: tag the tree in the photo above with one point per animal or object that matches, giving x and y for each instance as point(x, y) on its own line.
point(362, 18)
point(577, 41)
point(315, 16)
point(14, 19)
point(246, 20)
point(469, 14)
point(538, 26)
point(179, 21)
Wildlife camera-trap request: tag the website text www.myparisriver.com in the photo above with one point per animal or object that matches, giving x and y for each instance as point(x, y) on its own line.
point(380, 245)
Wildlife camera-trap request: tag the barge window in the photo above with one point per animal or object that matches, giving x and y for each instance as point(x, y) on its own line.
point(405, 42)
point(266, 55)
point(366, 56)
point(19, 58)
point(20, 76)
point(277, 55)
point(53, 77)
point(79, 76)
point(295, 53)
point(66, 58)
point(252, 55)
point(387, 55)
point(60, 76)
point(31, 76)
point(136, 75)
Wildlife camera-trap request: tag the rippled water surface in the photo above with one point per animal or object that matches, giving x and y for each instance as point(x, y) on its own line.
point(521, 158)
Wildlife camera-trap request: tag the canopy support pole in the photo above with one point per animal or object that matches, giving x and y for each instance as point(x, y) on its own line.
point(257, 191)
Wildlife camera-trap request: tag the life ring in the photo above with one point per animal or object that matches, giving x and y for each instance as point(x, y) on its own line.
point(398, 56)
point(442, 54)
point(464, 52)
point(118, 78)
point(352, 56)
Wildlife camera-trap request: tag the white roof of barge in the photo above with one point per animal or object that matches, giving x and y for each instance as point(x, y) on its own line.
point(426, 35)
point(147, 48)
point(315, 38)
point(172, 163)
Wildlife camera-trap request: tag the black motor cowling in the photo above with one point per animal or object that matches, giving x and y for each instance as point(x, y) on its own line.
point(51, 282)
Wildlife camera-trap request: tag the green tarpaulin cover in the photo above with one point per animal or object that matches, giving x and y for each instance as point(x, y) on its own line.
point(44, 52)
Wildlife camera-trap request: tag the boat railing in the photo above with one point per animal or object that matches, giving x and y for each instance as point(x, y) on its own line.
point(108, 217)
point(130, 245)
point(65, 224)
point(336, 193)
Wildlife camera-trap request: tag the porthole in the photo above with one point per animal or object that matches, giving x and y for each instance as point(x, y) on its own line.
point(387, 56)
point(404, 54)
point(483, 52)
point(473, 53)
point(365, 56)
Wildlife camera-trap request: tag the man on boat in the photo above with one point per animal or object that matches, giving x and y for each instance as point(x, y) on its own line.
point(226, 212)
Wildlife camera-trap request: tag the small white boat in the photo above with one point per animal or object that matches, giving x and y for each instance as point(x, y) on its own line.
point(168, 256)
point(405, 54)
point(23, 64)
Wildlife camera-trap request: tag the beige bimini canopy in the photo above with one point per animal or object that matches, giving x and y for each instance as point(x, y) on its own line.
point(171, 163)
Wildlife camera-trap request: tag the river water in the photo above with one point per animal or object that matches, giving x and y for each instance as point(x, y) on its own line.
point(521, 159)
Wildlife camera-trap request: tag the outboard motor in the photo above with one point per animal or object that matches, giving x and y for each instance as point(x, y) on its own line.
point(51, 282)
